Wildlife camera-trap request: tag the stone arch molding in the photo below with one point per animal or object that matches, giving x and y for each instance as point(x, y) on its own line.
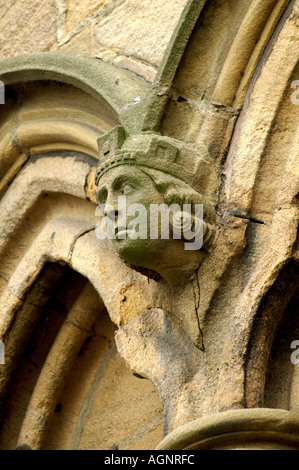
point(245, 115)
point(264, 143)
point(52, 118)
point(86, 98)
point(50, 122)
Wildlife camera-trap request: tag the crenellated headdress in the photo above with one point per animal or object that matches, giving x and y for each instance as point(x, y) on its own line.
point(153, 151)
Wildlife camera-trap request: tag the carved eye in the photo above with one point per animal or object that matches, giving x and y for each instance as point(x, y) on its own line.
point(102, 196)
point(126, 189)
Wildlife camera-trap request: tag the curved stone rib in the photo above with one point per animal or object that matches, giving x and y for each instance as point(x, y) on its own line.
point(48, 116)
point(14, 305)
point(40, 175)
point(233, 373)
point(117, 87)
point(263, 429)
point(71, 336)
point(241, 50)
point(255, 123)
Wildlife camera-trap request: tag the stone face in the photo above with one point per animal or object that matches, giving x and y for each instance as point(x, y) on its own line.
point(104, 348)
point(147, 170)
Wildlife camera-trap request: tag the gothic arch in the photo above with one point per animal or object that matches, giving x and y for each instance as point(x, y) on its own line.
point(268, 207)
point(51, 120)
point(218, 84)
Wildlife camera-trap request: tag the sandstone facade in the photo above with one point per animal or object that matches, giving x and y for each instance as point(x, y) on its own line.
point(98, 354)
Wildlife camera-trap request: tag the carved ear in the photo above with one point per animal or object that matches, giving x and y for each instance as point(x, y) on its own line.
point(182, 221)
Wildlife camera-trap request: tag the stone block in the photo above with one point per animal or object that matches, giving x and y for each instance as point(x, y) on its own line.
point(26, 27)
point(140, 29)
point(77, 10)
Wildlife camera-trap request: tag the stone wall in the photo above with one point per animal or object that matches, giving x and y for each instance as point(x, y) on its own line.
point(133, 34)
point(120, 410)
point(101, 354)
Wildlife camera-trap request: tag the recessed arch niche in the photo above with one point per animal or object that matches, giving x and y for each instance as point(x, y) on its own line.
point(52, 264)
point(270, 372)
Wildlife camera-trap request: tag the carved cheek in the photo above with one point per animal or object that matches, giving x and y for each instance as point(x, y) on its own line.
point(112, 199)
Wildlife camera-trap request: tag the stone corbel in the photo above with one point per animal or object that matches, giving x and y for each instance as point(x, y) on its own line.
point(162, 173)
point(156, 347)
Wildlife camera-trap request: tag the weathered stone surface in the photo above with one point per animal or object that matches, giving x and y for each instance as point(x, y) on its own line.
point(117, 395)
point(146, 71)
point(155, 347)
point(77, 11)
point(140, 29)
point(221, 340)
point(27, 27)
point(80, 42)
point(260, 429)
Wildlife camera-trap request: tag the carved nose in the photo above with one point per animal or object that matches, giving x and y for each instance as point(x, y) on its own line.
point(110, 206)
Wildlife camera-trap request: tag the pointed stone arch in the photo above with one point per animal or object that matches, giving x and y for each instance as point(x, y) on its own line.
point(56, 107)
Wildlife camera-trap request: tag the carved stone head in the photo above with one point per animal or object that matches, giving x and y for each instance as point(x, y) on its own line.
point(147, 175)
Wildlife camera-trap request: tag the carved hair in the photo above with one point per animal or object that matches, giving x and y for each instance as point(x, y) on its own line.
point(176, 191)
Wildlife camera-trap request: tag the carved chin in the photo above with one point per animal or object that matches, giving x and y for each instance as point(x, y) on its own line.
point(138, 252)
point(167, 258)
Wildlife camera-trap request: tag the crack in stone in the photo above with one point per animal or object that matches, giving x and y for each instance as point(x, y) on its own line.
point(248, 217)
point(77, 327)
point(79, 235)
point(197, 304)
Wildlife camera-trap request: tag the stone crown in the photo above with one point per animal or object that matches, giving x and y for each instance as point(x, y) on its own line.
point(148, 150)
